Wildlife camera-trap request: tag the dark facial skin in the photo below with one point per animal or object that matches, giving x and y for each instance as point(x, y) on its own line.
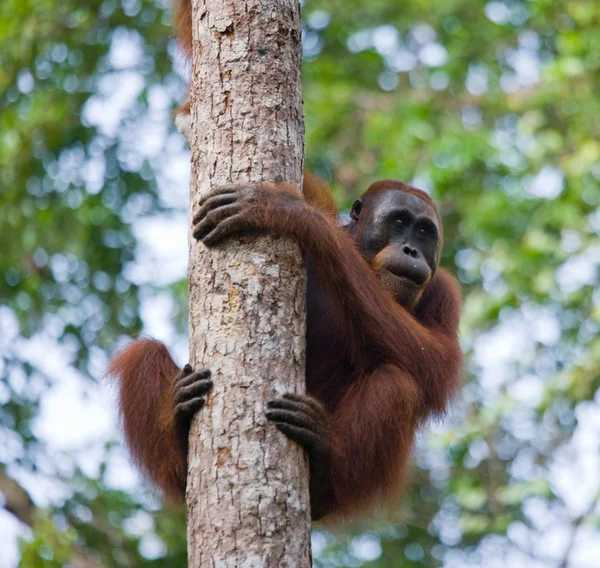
point(398, 234)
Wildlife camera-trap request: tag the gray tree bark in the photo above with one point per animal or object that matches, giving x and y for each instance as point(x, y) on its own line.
point(247, 492)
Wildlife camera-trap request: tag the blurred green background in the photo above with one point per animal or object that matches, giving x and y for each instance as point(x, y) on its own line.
point(494, 108)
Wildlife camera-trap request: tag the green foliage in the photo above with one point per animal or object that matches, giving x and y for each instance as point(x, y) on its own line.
point(493, 107)
point(49, 547)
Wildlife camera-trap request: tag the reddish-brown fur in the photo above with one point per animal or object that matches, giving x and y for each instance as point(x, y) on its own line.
point(379, 370)
point(145, 371)
point(182, 23)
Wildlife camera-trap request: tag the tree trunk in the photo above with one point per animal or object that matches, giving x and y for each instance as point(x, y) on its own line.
point(247, 492)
